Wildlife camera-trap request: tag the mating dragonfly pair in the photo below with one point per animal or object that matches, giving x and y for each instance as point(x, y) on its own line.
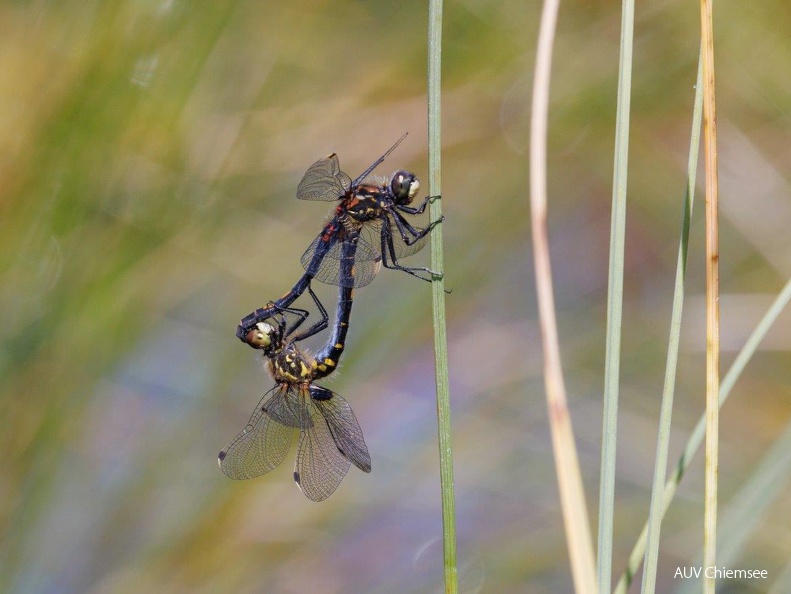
point(369, 229)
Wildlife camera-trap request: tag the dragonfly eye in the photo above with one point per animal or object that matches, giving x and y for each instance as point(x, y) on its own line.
point(261, 337)
point(404, 186)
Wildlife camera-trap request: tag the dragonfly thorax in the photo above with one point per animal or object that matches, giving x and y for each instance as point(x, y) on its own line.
point(291, 366)
point(365, 204)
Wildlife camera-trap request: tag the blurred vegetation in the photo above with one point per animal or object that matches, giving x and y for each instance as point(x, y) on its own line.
point(149, 155)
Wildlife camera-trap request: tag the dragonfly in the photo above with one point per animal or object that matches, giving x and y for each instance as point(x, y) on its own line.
point(370, 213)
point(330, 437)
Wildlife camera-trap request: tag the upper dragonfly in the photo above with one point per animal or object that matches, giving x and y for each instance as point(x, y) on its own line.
point(372, 214)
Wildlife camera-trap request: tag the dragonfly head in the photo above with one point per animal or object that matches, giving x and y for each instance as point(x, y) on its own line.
point(264, 336)
point(404, 186)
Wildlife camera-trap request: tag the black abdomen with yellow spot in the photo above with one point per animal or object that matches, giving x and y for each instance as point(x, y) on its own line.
point(326, 360)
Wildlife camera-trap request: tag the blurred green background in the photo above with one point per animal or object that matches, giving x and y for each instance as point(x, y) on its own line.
point(149, 156)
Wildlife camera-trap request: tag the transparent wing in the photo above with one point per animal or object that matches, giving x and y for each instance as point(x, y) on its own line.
point(320, 466)
point(324, 180)
point(290, 411)
point(264, 442)
point(367, 262)
point(403, 249)
point(343, 425)
point(372, 235)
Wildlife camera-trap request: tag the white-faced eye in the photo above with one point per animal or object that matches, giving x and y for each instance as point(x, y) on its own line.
point(414, 188)
point(261, 337)
point(404, 186)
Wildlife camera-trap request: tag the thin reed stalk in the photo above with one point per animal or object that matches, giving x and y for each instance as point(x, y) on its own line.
point(438, 300)
point(698, 433)
point(712, 296)
point(572, 495)
point(744, 513)
point(656, 512)
point(615, 300)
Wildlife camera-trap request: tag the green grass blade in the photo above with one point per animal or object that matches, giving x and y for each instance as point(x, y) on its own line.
point(745, 511)
point(663, 439)
point(698, 433)
point(438, 299)
point(615, 301)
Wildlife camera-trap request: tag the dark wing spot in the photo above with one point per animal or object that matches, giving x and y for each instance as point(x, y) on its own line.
point(296, 477)
point(222, 455)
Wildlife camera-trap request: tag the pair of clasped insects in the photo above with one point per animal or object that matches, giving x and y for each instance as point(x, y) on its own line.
point(369, 228)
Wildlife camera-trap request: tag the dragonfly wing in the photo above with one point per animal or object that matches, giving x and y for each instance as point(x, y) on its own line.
point(322, 259)
point(343, 426)
point(403, 249)
point(367, 262)
point(320, 466)
point(290, 411)
point(324, 180)
point(263, 443)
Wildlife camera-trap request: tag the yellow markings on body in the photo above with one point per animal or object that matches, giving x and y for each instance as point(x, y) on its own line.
point(292, 368)
point(338, 345)
point(289, 376)
point(329, 362)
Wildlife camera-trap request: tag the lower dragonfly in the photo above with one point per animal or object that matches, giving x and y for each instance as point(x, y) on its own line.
point(330, 437)
point(369, 214)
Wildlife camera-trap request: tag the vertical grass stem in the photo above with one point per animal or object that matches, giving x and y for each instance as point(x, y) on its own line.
point(712, 296)
point(572, 495)
point(438, 299)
